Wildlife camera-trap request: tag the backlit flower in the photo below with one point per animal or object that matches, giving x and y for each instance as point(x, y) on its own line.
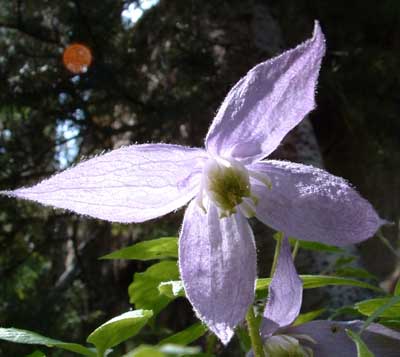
point(225, 183)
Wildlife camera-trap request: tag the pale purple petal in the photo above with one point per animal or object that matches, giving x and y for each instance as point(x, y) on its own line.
point(310, 204)
point(267, 103)
point(217, 260)
point(130, 184)
point(285, 294)
point(332, 340)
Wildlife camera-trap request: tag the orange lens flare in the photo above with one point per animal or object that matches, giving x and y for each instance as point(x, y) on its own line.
point(77, 58)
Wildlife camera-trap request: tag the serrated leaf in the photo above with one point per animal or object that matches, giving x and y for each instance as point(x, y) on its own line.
point(33, 338)
point(143, 291)
point(318, 281)
point(186, 336)
point(316, 246)
point(119, 329)
point(381, 307)
point(172, 289)
point(308, 316)
point(362, 349)
point(160, 248)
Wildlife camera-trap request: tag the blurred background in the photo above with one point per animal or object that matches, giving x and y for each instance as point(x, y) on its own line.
point(81, 77)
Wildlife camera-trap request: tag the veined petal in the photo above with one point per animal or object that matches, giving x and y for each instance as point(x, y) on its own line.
point(267, 103)
point(217, 261)
point(310, 204)
point(130, 184)
point(332, 340)
point(285, 294)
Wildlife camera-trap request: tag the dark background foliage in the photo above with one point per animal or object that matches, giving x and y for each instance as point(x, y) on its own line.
point(162, 79)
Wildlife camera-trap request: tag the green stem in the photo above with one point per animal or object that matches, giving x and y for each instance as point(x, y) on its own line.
point(386, 242)
point(279, 238)
point(295, 250)
point(254, 333)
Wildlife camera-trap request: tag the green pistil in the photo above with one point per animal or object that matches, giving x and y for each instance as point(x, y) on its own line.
point(228, 186)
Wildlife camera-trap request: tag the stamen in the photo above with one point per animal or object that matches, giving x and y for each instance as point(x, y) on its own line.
point(247, 207)
point(263, 178)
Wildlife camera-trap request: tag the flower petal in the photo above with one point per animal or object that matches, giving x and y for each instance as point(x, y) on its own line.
point(130, 184)
point(332, 340)
point(267, 103)
point(217, 259)
point(310, 204)
point(285, 294)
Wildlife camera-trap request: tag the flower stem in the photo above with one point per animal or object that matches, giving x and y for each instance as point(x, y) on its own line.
point(254, 333)
point(279, 238)
point(386, 242)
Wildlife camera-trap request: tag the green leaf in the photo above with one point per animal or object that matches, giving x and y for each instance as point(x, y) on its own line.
point(317, 281)
point(348, 310)
point(36, 354)
point(355, 273)
point(362, 349)
point(145, 351)
point(308, 316)
point(162, 351)
point(397, 289)
point(344, 260)
point(381, 307)
point(33, 338)
point(172, 289)
point(244, 338)
point(143, 291)
point(394, 324)
point(316, 246)
point(186, 336)
point(174, 350)
point(119, 329)
point(160, 248)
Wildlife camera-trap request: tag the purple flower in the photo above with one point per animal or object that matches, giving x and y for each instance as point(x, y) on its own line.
point(225, 183)
point(316, 338)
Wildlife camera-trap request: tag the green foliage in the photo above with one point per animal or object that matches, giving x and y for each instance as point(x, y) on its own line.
point(36, 354)
point(397, 288)
point(32, 338)
point(355, 273)
point(118, 329)
point(381, 307)
point(362, 349)
point(143, 291)
point(174, 289)
point(317, 281)
point(308, 316)
point(315, 246)
point(187, 336)
point(163, 351)
point(148, 250)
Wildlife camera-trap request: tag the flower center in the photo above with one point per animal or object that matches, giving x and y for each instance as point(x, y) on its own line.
point(226, 182)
